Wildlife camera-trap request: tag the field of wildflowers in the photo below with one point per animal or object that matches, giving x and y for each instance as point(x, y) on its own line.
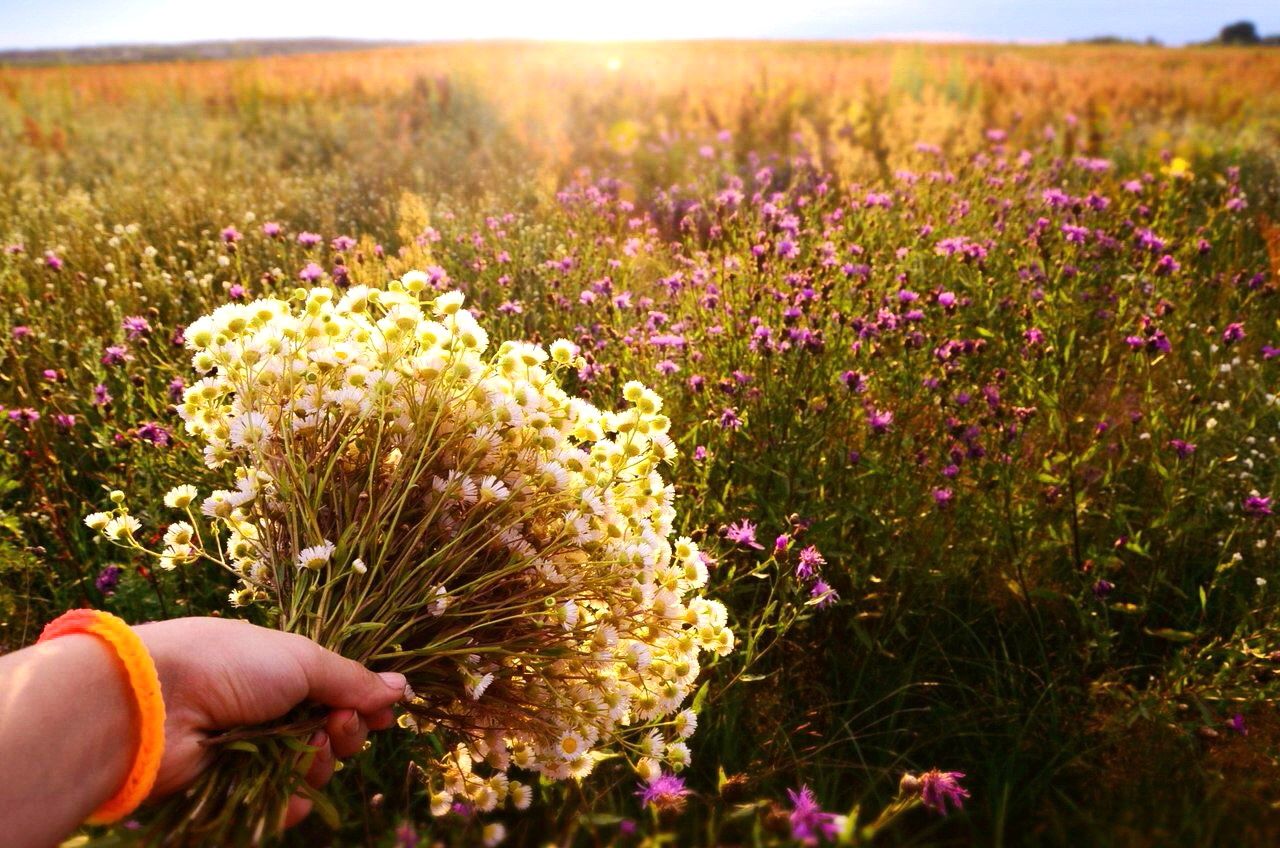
point(967, 361)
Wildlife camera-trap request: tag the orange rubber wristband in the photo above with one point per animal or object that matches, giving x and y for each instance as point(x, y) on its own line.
point(144, 682)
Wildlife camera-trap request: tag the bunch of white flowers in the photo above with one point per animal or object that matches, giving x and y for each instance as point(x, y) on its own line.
point(409, 499)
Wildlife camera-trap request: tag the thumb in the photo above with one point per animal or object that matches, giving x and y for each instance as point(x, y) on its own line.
point(338, 682)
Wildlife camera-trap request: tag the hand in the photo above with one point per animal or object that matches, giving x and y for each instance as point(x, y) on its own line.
point(217, 674)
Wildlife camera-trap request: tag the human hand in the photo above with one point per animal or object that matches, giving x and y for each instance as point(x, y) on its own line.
point(217, 674)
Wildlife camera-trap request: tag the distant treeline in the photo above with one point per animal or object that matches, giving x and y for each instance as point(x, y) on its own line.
point(1240, 33)
point(111, 54)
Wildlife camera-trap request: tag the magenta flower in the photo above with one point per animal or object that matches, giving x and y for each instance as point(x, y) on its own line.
point(175, 389)
point(309, 239)
point(231, 235)
point(21, 332)
point(1102, 588)
point(942, 497)
point(743, 533)
point(271, 229)
point(108, 579)
point(311, 273)
point(64, 421)
point(1233, 333)
point(115, 355)
point(937, 788)
point(1182, 448)
point(809, 824)
point(52, 261)
point(101, 397)
point(135, 327)
point(781, 544)
point(1236, 723)
point(810, 564)
point(150, 431)
point(822, 594)
point(729, 419)
point(879, 421)
point(666, 792)
point(342, 243)
point(1256, 506)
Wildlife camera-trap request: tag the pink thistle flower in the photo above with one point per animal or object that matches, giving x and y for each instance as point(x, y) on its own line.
point(743, 532)
point(809, 824)
point(938, 788)
point(667, 792)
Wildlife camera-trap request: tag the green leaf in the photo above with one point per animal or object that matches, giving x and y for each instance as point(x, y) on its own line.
point(1169, 634)
point(700, 698)
point(362, 627)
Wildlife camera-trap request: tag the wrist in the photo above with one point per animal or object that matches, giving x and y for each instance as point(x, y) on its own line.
point(82, 689)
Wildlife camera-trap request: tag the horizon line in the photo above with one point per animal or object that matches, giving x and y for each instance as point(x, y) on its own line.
point(910, 37)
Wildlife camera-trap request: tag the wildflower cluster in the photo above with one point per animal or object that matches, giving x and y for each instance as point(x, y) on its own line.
point(413, 501)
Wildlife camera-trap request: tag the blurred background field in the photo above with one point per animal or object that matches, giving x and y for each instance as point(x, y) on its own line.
point(992, 328)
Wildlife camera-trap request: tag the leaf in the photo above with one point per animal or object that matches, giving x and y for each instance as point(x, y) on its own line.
point(1169, 634)
point(700, 698)
point(362, 627)
point(242, 746)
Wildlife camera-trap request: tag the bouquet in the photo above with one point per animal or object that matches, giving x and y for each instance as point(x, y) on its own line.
point(406, 497)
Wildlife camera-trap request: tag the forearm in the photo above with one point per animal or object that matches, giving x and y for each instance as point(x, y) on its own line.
point(68, 731)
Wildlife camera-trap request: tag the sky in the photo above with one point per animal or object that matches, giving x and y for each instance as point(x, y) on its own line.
point(71, 23)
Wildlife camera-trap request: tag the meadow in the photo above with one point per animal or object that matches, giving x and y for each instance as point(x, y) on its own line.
point(971, 353)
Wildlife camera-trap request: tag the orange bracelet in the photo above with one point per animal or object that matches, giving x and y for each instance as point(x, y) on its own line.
point(140, 672)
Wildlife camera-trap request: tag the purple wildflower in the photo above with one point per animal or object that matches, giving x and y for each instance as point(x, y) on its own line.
point(309, 239)
point(1257, 506)
point(135, 327)
point(729, 419)
point(1182, 448)
point(52, 261)
point(311, 273)
point(1236, 723)
point(271, 229)
point(810, 564)
point(781, 544)
point(231, 235)
point(822, 595)
point(1102, 588)
point(101, 397)
point(342, 243)
point(809, 824)
point(743, 533)
point(115, 355)
point(150, 431)
point(1233, 333)
point(666, 792)
point(108, 578)
point(21, 332)
point(879, 421)
point(937, 788)
point(942, 497)
point(64, 421)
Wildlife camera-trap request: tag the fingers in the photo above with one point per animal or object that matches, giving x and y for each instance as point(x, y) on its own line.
point(322, 764)
point(347, 732)
point(297, 810)
point(338, 682)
